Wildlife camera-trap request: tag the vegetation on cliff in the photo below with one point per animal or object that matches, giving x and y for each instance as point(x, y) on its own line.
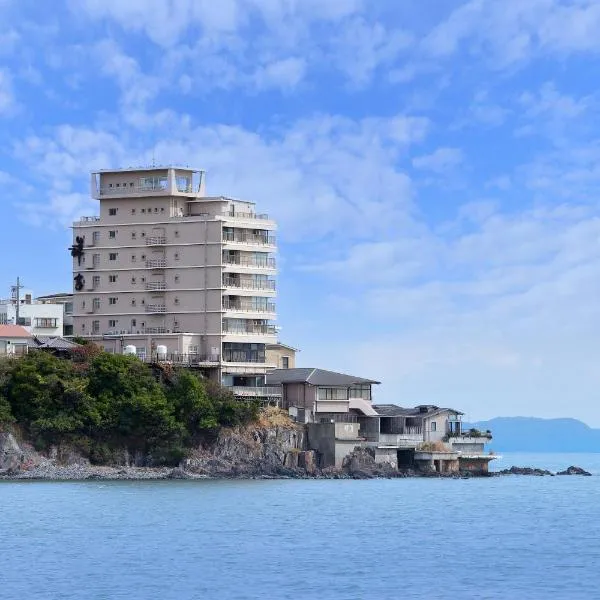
point(101, 403)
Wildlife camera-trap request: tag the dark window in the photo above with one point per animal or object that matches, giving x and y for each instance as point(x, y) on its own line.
point(112, 256)
point(433, 425)
point(112, 212)
point(285, 362)
point(112, 234)
point(112, 300)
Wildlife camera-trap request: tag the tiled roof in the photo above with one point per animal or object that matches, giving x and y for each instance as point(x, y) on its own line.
point(314, 377)
point(56, 343)
point(13, 331)
point(424, 410)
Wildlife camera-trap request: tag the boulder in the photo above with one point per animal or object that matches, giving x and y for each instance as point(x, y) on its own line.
point(572, 470)
point(11, 455)
point(525, 471)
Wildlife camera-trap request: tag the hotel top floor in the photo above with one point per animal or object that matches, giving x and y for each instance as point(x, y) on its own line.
point(144, 182)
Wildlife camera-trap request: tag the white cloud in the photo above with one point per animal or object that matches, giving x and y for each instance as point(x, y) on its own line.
point(440, 161)
point(7, 97)
point(286, 73)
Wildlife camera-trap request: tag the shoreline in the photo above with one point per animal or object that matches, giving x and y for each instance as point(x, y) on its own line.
point(106, 473)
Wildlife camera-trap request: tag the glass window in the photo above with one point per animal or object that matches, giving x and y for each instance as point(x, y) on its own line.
point(112, 300)
point(112, 256)
point(285, 362)
point(112, 234)
point(112, 212)
point(112, 322)
point(433, 426)
point(326, 393)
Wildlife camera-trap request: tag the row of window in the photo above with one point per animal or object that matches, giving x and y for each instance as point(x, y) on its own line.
point(112, 234)
point(332, 393)
point(112, 212)
point(40, 322)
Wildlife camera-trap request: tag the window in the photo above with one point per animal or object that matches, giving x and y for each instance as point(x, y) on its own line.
point(133, 211)
point(118, 185)
point(95, 326)
point(143, 257)
point(83, 304)
point(133, 302)
point(154, 183)
point(433, 426)
point(112, 300)
point(361, 391)
point(176, 255)
point(333, 393)
point(96, 237)
point(177, 234)
point(143, 234)
point(112, 234)
point(68, 308)
point(176, 278)
point(133, 323)
point(110, 185)
point(133, 258)
point(83, 326)
point(162, 209)
point(131, 185)
point(143, 279)
point(112, 256)
point(133, 235)
point(112, 212)
point(143, 211)
point(112, 323)
point(96, 303)
point(285, 362)
point(95, 281)
point(176, 300)
point(150, 210)
point(155, 209)
point(133, 280)
point(26, 321)
point(112, 278)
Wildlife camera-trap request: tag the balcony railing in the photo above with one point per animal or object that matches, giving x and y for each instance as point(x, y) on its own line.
point(93, 219)
point(156, 308)
point(270, 391)
point(159, 263)
point(256, 330)
point(247, 215)
point(156, 285)
point(245, 284)
point(249, 238)
point(156, 241)
point(242, 261)
point(269, 307)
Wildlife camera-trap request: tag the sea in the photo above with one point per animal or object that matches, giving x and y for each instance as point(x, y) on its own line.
point(513, 537)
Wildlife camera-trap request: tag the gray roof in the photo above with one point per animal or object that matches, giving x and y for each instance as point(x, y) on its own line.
point(56, 343)
point(423, 410)
point(314, 377)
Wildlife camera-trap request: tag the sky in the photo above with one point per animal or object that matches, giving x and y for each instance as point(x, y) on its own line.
point(433, 167)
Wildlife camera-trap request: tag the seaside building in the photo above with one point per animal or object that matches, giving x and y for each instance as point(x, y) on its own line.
point(168, 273)
point(66, 300)
point(341, 416)
point(14, 340)
point(38, 318)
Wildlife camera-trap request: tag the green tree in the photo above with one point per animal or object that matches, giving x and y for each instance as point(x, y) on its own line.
point(192, 405)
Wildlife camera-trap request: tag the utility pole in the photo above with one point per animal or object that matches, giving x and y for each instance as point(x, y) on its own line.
point(16, 291)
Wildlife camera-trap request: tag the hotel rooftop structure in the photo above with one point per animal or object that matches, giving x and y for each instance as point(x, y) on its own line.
point(169, 273)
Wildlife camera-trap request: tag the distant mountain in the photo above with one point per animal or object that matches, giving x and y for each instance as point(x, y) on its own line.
point(530, 434)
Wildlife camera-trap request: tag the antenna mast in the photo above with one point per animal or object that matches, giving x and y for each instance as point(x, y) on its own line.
point(16, 293)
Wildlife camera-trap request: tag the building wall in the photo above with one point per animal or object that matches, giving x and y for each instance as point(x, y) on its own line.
point(275, 354)
point(42, 319)
point(441, 427)
point(166, 220)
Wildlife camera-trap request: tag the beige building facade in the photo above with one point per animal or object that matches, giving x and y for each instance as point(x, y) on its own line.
point(169, 273)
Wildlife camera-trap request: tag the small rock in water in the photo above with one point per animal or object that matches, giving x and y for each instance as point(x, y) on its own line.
point(525, 471)
point(572, 470)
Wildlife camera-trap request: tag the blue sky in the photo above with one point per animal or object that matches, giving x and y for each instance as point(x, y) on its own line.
point(433, 166)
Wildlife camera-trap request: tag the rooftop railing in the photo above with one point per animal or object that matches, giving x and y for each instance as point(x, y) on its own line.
point(247, 215)
point(255, 330)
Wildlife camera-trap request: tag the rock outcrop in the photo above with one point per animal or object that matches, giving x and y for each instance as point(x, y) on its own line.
point(572, 470)
point(525, 471)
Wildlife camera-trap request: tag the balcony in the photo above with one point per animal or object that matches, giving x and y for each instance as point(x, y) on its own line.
point(241, 306)
point(250, 330)
point(156, 285)
point(243, 261)
point(156, 308)
point(249, 238)
point(247, 215)
point(156, 241)
point(271, 391)
point(158, 263)
point(470, 436)
point(249, 284)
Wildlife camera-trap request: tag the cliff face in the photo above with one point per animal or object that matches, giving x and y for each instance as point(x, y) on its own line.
point(254, 451)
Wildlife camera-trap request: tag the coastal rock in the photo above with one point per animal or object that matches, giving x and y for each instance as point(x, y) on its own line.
point(11, 455)
point(525, 471)
point(572, 470)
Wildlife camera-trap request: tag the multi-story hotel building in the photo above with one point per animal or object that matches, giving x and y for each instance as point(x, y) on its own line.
point(172, 274)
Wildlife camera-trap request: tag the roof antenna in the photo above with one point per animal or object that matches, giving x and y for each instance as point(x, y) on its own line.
point(153, 159)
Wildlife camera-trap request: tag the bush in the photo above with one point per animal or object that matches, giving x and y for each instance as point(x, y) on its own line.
point(103, 403)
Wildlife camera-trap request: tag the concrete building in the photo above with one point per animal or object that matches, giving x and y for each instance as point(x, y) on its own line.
point(281, 355)
point(14, 340)
point(341, 416)
point(170, 273)
point(36, 317)
point(66, 300)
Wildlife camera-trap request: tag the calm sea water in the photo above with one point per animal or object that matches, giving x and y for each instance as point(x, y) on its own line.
point(508, 537)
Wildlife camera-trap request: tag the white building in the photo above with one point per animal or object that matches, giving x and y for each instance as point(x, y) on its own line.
point(177, 275)
point(36, 317)
point(66, 300)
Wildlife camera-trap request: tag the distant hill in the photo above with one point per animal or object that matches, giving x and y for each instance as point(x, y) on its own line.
point(530, 434)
